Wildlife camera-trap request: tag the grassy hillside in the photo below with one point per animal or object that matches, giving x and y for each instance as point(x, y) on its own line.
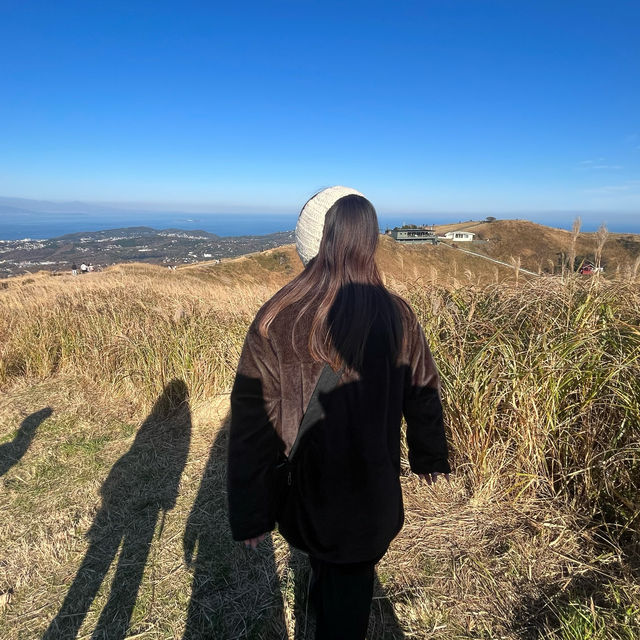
point(113, 412)
point(542, 248)
point(401, 266)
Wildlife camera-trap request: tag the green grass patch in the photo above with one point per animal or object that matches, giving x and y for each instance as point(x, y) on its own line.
point(83, 445)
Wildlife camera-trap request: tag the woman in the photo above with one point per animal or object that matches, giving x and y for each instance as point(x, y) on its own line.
point(344, 505)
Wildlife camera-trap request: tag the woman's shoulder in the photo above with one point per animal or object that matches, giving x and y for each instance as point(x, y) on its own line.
point(299, 314)
point(404, 308)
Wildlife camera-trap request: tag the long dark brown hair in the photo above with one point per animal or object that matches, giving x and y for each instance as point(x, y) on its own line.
point(344, 285)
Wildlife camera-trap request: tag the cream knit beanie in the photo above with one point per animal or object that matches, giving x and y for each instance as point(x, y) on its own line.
point(311, 220)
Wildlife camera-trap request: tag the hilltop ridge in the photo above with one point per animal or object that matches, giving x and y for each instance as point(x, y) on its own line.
point(539, 248)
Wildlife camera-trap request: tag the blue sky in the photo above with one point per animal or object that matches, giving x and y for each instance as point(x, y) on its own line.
point(490, 107)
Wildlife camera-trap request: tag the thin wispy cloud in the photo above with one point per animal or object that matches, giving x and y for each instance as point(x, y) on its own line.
point(599, 164)
point(631, 186)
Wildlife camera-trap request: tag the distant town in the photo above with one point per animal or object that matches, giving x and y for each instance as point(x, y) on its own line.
point(169, 247)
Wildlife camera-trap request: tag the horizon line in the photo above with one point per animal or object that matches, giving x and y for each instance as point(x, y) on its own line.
point(147, 206)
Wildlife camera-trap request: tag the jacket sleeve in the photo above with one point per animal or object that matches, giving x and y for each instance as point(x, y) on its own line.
point(254, 445)
point(422, 408)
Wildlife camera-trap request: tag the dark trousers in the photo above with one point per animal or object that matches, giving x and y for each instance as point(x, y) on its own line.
point(341, 595)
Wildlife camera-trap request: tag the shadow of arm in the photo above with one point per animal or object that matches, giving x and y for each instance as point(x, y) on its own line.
point(12, 452)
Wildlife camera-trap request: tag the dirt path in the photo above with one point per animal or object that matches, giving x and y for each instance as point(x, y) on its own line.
point(479, 255)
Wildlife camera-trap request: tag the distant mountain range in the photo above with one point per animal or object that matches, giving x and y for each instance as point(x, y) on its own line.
point(28, 206)
point(138, 232)
point(31, 206)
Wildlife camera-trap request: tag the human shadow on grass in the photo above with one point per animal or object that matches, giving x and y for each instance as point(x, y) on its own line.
point(140, 488)
point(235, 592)
point(11, 452)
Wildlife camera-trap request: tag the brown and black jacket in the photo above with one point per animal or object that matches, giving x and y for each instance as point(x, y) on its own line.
point(349, 501)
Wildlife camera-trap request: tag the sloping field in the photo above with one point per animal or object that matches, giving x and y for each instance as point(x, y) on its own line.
point(542, 248)
point(113, 411)
point(401, 266)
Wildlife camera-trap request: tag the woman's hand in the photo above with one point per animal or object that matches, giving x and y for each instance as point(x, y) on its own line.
point(432, 478)
point(252, 543)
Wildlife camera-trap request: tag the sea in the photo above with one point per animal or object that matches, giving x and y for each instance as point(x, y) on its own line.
point(40, 226)
point(49, 225)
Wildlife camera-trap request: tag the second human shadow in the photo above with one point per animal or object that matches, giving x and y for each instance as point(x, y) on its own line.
point(141, 486)
point(235, 591)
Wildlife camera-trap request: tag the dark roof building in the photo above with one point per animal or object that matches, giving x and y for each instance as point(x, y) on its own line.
point(414, 235)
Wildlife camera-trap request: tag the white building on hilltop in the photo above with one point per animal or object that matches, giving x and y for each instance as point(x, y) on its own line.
point(459, 236)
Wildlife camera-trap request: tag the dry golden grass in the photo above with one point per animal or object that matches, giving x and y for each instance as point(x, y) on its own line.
point(536, 536)
point(540, 248)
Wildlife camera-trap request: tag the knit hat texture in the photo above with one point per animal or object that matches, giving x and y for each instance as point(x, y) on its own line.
point(311, 220)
